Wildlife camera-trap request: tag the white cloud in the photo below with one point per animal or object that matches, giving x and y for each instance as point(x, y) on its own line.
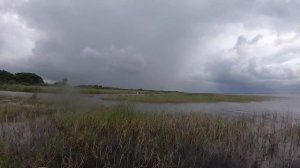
point(17, 39)
point(247, 55)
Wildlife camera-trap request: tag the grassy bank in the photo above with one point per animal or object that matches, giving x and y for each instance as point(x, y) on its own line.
point(64, 89)
point(84, 90)
point(182, 98)
point(71, 134)
point(149, 96)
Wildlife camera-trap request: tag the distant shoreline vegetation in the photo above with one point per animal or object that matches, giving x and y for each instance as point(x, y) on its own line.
point(84, 89)
point(30, 82)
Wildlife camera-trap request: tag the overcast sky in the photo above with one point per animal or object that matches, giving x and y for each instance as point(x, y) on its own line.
point(187, 45)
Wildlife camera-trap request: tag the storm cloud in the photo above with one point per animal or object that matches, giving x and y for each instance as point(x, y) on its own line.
point(203, 46)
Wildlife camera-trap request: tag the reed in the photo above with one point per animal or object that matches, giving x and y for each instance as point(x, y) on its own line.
point(72, 134)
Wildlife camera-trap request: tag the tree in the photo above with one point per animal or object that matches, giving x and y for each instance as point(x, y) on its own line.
point(7, 77)
point(29, 78)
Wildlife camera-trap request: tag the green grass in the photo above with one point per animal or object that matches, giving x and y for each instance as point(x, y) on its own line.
point(64, 89)
point(72, 134)
point(106, 91)
point(149, 96)
point(30, 88)
point(183, 98)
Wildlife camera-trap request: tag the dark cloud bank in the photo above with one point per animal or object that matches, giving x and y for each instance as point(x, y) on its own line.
point(203, 46)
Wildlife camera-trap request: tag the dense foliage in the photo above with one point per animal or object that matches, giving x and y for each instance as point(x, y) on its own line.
point(20, 78)
point(29, 78)
point(6, 77)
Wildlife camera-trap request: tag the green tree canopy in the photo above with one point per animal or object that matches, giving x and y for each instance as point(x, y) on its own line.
point(29, 78)
point(7, 77)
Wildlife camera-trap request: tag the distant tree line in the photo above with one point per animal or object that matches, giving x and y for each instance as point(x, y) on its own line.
point(64, 82)
point(24, 78)
point(90, 86)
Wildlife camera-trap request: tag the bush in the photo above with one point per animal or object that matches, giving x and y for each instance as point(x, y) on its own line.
point(7, 77)
point(28, 78)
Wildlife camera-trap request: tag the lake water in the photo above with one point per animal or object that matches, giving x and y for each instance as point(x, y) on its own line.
point(282, 104)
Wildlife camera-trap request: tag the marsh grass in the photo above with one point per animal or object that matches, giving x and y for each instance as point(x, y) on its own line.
point(73, 134)
point(188, 98)
point(70, 89)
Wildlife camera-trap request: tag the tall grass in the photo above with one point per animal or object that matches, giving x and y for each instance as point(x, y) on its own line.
point(35, 133)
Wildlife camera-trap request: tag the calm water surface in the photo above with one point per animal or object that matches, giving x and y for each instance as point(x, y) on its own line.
point(282, 104)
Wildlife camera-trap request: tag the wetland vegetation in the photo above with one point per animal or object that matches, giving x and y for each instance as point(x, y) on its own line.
point(70, 133)
point(188, 98)
point(84, 89)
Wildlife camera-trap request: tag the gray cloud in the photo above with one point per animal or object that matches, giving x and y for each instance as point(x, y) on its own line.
point(232, 46)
